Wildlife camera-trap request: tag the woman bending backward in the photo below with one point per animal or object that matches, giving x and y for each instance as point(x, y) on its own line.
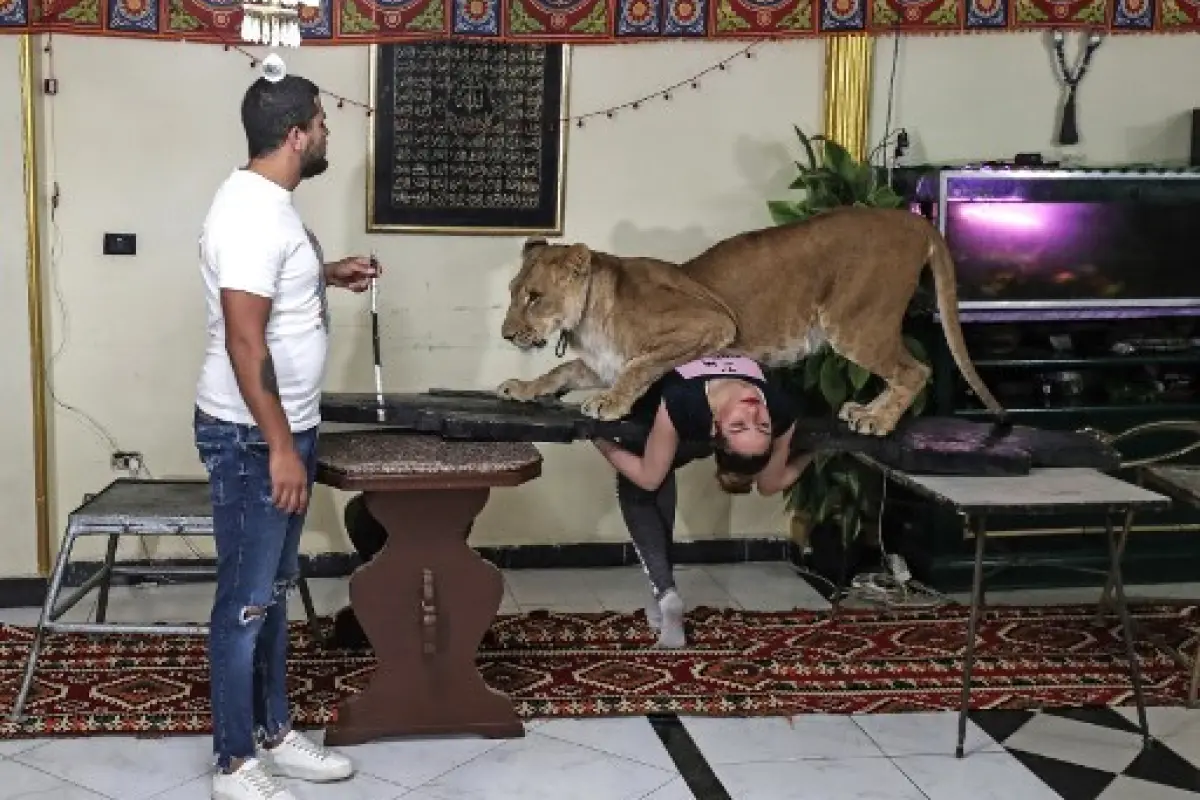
point(725, 405)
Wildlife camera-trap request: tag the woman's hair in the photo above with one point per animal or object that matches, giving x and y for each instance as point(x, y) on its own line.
point(734, 482)
point(729, 461)
point(739, 464)
point(735, 472)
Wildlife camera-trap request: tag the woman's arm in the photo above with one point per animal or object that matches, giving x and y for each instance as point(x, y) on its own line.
point(780, 473)
point(790, 473)
point(649, 470)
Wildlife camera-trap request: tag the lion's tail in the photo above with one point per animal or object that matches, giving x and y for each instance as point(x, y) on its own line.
point(944, 281)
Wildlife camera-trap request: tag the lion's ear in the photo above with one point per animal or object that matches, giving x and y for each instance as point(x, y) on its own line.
point(531, 243)
point(579, 259)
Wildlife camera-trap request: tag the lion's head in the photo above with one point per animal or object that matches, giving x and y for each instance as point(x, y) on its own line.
point(548, 294)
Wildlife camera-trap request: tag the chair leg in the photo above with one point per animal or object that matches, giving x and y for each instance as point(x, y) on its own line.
point(310, 611)
point(110, 557)
point(52, 591)
point(1106, 603)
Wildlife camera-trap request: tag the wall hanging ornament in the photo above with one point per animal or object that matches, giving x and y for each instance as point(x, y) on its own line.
point(275, 23)
point(1068, 131)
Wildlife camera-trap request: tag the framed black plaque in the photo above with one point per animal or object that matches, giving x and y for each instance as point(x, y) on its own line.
point(467, 137)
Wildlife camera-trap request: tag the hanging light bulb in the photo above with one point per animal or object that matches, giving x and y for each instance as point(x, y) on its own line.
point(273, 68)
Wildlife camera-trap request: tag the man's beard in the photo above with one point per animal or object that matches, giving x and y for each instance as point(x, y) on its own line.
point(313, 165)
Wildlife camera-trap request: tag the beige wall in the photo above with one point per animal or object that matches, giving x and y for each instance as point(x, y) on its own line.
point(145, 154)
point(143, 133)
point(976, 97)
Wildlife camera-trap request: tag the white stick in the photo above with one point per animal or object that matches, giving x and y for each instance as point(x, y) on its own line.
point(375, 345)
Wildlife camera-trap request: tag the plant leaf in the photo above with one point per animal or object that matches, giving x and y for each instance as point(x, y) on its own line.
point(850, 527)
point(883, 196)
point(850, 480)
point(831, 502)
point(834, 387)
point(808, 148)
point(858, 376)
point(838, 161)
point(812, 369)
point(784, 211)
point(918, 404)
point(917, 349)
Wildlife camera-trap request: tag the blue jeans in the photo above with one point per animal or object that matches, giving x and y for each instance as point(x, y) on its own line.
point(257, 562)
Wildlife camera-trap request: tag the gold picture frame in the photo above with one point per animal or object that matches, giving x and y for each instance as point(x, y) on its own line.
point(554, 208)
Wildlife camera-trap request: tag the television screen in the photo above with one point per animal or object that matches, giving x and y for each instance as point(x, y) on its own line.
point(1115, 252)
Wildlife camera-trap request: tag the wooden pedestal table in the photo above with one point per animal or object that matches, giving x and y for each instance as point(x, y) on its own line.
point(427, 600)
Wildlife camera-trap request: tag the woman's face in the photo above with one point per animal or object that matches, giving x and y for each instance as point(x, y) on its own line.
point(745, 424)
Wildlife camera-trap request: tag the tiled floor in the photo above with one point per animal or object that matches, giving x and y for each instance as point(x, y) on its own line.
point(1011, 755)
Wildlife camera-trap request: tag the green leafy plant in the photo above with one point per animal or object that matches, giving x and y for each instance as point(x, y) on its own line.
point(836, 489)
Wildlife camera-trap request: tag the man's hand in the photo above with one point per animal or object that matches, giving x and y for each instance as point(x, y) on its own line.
point(353, 273)
point(289, 481)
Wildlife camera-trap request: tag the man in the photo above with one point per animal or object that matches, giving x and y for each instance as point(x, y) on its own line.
point(256, 419)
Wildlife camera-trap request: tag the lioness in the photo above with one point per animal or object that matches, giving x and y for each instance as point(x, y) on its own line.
point(844, 277)
point(631, 320)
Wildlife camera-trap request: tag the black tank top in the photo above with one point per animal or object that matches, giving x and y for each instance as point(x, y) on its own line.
point(682, 391)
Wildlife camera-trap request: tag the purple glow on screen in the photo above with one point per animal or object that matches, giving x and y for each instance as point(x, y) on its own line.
point(1003, 217)
point(1015, 251)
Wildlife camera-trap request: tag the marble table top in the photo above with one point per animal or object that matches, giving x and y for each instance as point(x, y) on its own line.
point(1042, 491)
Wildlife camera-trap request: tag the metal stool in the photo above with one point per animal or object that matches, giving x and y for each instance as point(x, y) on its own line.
point(130, 507)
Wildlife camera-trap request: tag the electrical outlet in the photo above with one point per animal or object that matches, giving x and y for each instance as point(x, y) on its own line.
point(127, 461)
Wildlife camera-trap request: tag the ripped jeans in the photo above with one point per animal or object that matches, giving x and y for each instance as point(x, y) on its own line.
point(257, 562)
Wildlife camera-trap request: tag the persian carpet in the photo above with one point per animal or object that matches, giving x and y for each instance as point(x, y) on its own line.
point(596, 665)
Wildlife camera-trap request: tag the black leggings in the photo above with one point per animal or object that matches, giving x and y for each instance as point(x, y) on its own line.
point(650, 516)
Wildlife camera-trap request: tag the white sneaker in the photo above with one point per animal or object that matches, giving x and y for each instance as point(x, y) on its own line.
point(249, 782)
point(297, 757)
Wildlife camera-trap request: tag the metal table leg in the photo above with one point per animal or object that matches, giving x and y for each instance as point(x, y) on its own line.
point(1118, 583)
point(310, 611)
point(110, 558)
point(972, 630)
point(47, 616)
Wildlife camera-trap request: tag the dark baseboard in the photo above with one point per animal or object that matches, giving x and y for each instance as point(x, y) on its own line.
point(20, 592)
point(1055, 570)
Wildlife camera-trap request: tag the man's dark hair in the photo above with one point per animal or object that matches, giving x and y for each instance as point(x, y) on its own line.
point(271, 110)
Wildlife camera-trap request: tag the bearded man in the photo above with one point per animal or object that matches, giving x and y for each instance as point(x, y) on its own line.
point(256, 419)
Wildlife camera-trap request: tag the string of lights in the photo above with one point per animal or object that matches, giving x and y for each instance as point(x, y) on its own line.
point(665, 93)
point(342, 102)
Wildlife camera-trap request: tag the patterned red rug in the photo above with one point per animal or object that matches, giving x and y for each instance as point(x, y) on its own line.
point(595, 665)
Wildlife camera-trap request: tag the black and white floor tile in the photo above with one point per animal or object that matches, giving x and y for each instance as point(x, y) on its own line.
point(1088, 754)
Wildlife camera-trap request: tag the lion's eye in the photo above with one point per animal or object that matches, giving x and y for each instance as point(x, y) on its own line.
point(533, 297)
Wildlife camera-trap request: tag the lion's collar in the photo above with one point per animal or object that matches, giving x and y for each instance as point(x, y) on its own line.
point(566, 334)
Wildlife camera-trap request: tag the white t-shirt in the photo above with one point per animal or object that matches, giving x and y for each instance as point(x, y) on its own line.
point(254, 241)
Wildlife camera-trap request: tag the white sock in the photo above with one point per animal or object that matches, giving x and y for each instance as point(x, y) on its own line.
point(671, 635)
point(653, 613)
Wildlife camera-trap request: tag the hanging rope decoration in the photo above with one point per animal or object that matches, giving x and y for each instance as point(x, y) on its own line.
point(1068, 131)
point(665, 93)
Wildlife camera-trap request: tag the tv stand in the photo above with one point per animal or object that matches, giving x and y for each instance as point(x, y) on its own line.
point(1066, 374)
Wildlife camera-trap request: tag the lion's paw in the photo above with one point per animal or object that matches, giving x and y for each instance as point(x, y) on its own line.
point(603, 406)
point(515, 389)
point(865, 420)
